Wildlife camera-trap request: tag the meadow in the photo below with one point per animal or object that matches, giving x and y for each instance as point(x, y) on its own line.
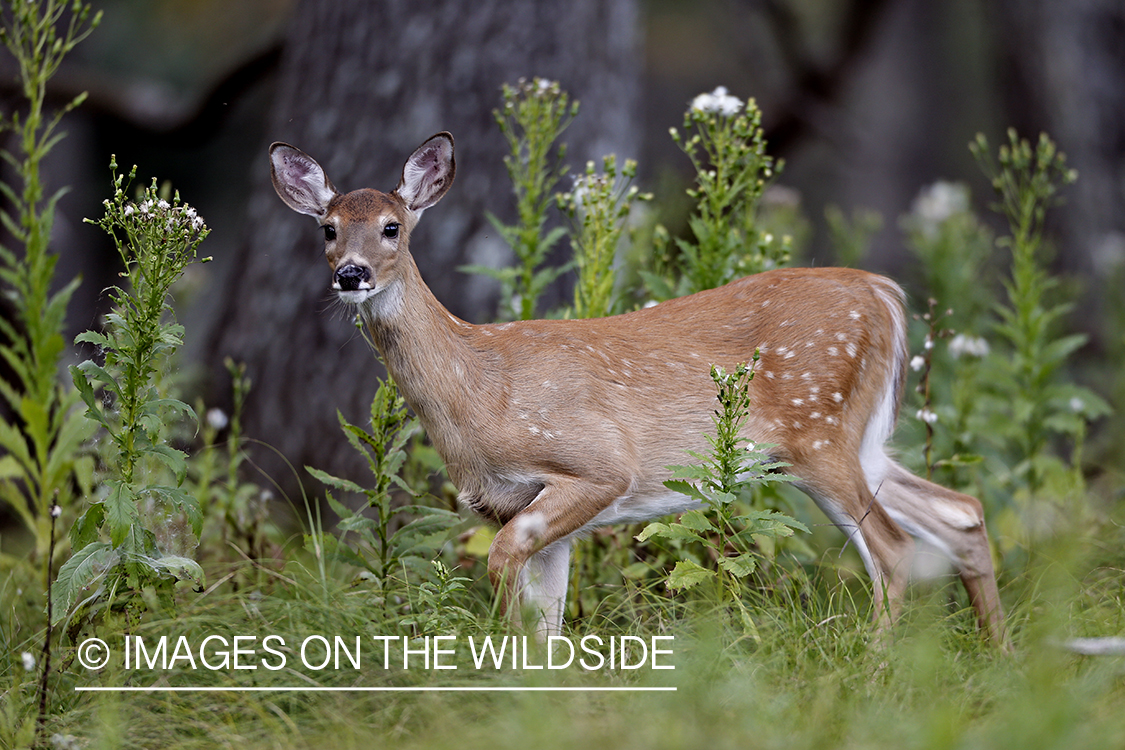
point(150, 597)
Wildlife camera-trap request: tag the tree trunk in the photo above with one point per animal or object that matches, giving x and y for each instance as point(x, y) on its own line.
point(1064, 70)
point(362, 83)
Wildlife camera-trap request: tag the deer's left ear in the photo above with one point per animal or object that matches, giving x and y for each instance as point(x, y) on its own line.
point(428, 173)
point(299, 181)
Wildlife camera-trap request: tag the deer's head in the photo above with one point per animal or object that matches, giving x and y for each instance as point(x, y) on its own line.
point(366, 232)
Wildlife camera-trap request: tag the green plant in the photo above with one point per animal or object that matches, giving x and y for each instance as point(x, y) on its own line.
point(728, 152)
point(236, 511)
point(851, 237)
point(954, 248)
point(730, 468)
point(598, 206)
point(400, 538)
point(43, 439)
point(139, 532)
point(533, 116)
point(1037, 404)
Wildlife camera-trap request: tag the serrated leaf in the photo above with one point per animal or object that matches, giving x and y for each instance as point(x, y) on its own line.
point(92, 337)
point(182, 568)
point(333, 481)
point(697, 520)
point(651, 530)
point(687, 574)
point(86, 527)
point(685, 488)
point(740, 566)
point(85, 568)
point(175, 460)
point(120, 511)
point(183, 502)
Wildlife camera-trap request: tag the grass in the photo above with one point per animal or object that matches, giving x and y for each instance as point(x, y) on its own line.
point(815, 680)
point(809, 673)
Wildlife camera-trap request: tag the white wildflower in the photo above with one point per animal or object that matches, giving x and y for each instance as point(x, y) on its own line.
point(917, 363)
point(1077, 405)
point(65, 741)
point(129, 210)
point(926, 416)
point(28, 661)
point(718, 101)
point(937, 202)
point(56, 511)
point(217, 419)
point(968, 346)
point(163, 205)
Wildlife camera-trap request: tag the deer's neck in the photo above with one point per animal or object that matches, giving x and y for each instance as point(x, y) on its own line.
point(427, 352)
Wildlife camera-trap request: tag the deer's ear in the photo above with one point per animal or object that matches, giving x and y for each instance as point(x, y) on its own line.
point(428, 173)
point(299, 181)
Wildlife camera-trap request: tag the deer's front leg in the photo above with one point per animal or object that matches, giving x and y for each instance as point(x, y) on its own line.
point(529, 559)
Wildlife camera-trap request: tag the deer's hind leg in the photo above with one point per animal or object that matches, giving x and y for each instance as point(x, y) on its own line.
point(953, 523)
point(887, 551)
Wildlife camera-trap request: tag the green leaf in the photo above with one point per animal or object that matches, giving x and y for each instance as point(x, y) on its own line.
point(78, 574)
point(182, 568)
point(86, 527)
point(687, 574)
point(121, 511)
point(332, 481)
point(183, 502)
point(685, 488)
point(651, 530)
point(175, 460)
point(92, 337)
point(696, 520)
point(740, 566)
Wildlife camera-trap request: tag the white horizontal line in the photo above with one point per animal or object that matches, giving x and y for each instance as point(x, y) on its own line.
point(361, 689)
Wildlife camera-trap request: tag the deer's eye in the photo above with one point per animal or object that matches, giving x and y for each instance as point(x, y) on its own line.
point(391, 230)
point(329, 232)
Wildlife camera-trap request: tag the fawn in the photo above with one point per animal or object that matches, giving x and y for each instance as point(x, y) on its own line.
point(550, 428)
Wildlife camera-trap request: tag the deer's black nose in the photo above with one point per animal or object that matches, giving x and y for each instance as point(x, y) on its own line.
point(351, 276)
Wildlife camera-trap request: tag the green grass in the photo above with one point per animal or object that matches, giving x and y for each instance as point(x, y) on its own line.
point(817, 678)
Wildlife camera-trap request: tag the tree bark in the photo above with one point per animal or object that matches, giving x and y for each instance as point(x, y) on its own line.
point(362, 83)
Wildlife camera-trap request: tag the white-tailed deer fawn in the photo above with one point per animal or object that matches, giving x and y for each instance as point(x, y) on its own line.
point(550, 428)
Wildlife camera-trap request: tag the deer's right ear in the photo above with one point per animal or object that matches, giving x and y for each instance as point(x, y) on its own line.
point(300, 181)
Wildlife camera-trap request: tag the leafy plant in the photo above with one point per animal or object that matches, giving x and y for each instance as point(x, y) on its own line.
point(41, 433)
point(534, 114)
point(728, 152)
point(142, 515)
point(598, 206)
point(852, 236)
point(1038, 406)
point(717, 480)
point(400, 537)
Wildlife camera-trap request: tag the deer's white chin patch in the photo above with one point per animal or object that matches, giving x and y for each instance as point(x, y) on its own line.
point(381, 302)
point(356, 296)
